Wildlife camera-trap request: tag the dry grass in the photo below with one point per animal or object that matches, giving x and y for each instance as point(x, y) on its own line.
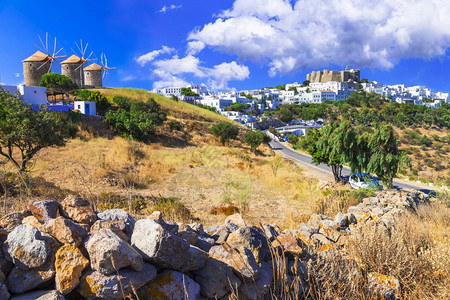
point(415, 251)
point(200, 177)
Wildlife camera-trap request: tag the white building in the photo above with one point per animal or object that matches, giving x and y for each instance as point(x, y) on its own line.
point(85, 107)
point(35, 95)
point(218, 103)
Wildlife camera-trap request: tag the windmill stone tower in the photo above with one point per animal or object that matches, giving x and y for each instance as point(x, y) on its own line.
point(72, 67)
point(93, 76)
point(34, 67)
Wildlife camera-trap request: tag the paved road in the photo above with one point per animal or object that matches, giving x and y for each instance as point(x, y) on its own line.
point(306, 159)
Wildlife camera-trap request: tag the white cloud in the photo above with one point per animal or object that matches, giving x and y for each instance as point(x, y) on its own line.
point(146, 58)
point(170, 72)
point(316, 33)
point(166, 8)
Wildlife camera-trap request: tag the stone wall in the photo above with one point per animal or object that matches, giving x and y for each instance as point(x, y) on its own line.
point(68, 251)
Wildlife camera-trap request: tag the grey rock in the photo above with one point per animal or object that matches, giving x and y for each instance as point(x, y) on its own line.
point(95, 285)
point(211, 229)
point(252, 238)
point(44, 210)
point(298, 268)
point(236, 219)
point(195, 259)
point(10, 221)
point(118, 227)
point(20, 281)
point(258, 289)
point(78, 210)
point(109, 253)
point(4, 294)
point(239, 258)
point(197, 227)
point(27, 247)
point(158, 218)
point(190, 236)
point(119, 215)
point(170, 285)
point(65, 231)
point(216, 279)
point(205, 243)
point(270, 232)
point(40, 295)
point(159, 246)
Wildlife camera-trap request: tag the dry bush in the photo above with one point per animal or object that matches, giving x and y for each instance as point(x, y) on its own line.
point(415, 252)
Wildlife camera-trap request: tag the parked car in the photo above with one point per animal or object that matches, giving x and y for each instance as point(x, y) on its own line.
point(364, 181)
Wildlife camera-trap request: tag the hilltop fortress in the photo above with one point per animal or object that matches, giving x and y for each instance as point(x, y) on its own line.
point(348, 75)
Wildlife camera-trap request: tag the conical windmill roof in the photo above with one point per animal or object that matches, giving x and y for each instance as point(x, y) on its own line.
point(73, 59)
point(38, 56)
point(93, 67)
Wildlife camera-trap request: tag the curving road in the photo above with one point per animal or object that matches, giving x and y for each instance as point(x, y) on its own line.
point(306, 159)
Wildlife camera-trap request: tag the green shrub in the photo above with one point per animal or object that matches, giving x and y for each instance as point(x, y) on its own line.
point(100, 100)
point(139, 122)
point(57, 82)
point(225, 131)
point(255, 138)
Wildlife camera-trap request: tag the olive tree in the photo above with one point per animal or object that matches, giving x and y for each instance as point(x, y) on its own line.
point(25, 131)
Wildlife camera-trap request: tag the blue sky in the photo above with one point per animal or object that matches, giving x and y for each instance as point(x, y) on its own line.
point(242, 44)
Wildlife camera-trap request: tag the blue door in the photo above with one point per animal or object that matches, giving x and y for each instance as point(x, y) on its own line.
point(87, 110)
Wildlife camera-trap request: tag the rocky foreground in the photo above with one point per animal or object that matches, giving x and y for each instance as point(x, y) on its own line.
point(68, 251)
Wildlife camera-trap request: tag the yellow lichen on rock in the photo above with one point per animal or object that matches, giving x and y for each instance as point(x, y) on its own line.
point(69, 265)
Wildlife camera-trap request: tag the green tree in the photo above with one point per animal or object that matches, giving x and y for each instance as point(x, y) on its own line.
point(386, 159)
point(285, 115)
point(305, 83)
point(122, 102)
point(322, 145)
point(100, 100)
point(139, 122)
point(26, 131)
point(188, 92)
point(225, 131)
point(255, 138)
point(57, 82)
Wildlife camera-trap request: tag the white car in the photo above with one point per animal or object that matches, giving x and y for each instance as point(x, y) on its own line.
point(364, 181)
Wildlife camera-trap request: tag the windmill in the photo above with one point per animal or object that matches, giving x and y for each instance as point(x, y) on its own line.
point(105, 68)
point(40, 63)
point(73, 66)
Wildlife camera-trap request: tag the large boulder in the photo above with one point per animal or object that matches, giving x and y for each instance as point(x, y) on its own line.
point(252, 238)
point(66, 231)
point(159, 246)
point(119, 215)
point(27, 247)
point(95, 285)
point(239, 258)
point(216, 279)
point(78, 209)
point(109, 253)
point(44, 210)
point(170, 285)
point(69, 264)
point(40, 295)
